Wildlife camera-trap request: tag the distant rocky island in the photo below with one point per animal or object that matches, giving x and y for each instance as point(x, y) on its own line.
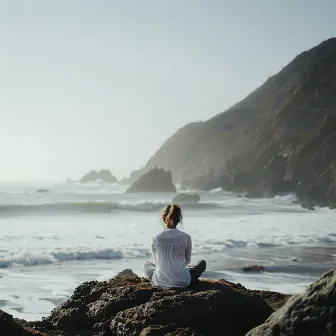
point(103, 175)
point(281, 138)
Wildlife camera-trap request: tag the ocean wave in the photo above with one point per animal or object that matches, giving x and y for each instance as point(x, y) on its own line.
point(43, 257)
point(216, 190)
point(211, 246)
point(221, 246)
point(92, 207)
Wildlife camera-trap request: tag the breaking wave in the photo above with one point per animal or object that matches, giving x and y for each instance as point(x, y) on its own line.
point(33, 256)
point(91, 207)
point(231, 204)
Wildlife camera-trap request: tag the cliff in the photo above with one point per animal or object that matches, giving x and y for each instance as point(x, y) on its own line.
point(279, 138)
point(297, 149)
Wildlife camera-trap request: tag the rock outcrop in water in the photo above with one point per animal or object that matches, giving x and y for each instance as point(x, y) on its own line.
point(281, 138)
point(186, 198)
point(131, 306)
point(104, 175)
point(254, 268)
point(42, 191)
point(156, 180)
point(310, 314)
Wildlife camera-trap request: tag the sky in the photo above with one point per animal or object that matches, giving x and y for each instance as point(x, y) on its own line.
point(92, 84)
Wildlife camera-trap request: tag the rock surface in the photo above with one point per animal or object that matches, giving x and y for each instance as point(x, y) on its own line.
point(186, 198)
point(42, 191)
point(156, 180)
point(104, 175)
point(207, 311)
point(9, 327)
point(311, 314)
point(254, 268)
point(131, 306)
point(126, 272)
point(281, 138)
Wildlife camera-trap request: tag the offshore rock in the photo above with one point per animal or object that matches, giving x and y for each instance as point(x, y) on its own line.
point(156, 180)
point(104, 176)
point(186, 198)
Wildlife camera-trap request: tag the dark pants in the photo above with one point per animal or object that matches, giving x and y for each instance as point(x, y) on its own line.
point(195, 270)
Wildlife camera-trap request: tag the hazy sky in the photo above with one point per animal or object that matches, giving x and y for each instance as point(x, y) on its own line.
point(90, 84)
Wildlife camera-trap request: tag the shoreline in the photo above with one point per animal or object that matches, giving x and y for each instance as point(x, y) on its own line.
point(32, 292)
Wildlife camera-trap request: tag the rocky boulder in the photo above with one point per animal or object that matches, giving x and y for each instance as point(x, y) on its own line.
point(104, 175)
point(312, 313)
point(254, 268)
point(42, 191)
point(210, 310)
point(126, 273)
point(10, 327)
point(186, 198)
point(131, 306)
point(156, 180)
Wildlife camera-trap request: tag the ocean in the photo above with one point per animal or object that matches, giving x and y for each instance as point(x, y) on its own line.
point(50, 242)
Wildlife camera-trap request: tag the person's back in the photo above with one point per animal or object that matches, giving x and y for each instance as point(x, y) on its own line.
point(171, 251)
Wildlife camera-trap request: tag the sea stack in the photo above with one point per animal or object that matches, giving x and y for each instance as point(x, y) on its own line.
point(104, 175)
point(156, 180)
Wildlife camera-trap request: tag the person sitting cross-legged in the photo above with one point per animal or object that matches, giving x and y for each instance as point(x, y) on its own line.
point(171, 250)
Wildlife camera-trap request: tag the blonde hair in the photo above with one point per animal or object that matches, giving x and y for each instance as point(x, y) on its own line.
point(171, 215)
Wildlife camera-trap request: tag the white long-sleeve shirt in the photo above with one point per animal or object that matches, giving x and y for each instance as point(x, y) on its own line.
point(171, 251)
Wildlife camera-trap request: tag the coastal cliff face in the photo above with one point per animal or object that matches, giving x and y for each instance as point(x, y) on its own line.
point(297, 149)
point(282, 137)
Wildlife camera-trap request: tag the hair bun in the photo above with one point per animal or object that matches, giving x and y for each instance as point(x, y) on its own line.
point(171, 215)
